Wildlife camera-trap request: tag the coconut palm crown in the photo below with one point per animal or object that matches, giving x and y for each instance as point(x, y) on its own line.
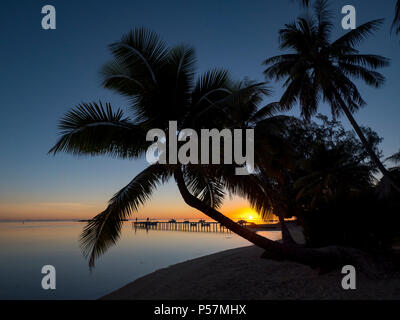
point(319, 69)
point(160, 85)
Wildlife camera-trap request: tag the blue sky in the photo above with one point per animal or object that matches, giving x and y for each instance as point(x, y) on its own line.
point(46, 73)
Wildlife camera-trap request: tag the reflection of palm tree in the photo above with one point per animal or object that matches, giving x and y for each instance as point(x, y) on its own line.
point(159, 83)
point(319, 68)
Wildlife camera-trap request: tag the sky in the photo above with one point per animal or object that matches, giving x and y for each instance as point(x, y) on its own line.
point(45, 73)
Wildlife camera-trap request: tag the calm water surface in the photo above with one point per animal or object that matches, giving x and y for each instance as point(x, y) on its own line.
point(26, 248)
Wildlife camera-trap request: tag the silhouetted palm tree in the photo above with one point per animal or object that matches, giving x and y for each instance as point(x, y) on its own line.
point(159, 83)
point(320, 68)
point(396, 19)
point(331, 172)
point(272, 154)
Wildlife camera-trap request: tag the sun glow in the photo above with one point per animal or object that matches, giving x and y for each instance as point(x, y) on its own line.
point(249, 214)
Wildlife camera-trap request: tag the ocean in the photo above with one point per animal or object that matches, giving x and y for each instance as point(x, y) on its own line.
point(26, 247)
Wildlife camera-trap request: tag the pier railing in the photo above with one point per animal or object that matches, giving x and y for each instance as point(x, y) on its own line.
point(181, 226)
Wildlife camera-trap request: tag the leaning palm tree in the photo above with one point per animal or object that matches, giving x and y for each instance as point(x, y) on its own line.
point(160, 86)
point(320, 68)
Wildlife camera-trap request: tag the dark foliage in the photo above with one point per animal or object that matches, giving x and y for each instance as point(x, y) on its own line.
point(364, 221)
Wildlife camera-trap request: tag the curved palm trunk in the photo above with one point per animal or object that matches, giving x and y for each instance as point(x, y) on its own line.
point(249, 235)
point(323, 258)
point(367, 146)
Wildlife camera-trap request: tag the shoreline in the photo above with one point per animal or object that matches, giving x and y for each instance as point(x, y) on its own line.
point(240, 274)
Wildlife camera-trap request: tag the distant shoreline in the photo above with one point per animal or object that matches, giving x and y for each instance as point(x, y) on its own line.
point(254, 227)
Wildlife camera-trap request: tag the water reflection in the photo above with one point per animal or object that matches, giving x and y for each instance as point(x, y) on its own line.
point(186, 226)
point(25, 248)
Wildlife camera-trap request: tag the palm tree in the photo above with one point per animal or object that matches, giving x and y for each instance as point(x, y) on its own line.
point(396, 19)
point(273, 156)
point(159, 83)
point(320, 68)
point(330, 172)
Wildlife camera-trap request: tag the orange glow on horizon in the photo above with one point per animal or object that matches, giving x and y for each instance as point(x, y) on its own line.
point(249, 214)
point(157, 208)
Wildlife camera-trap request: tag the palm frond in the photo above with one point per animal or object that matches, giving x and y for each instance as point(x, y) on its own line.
point(118, 77)
point(270, 110)
point(239, 106)
point(178, 81)
point(104, 229)
point(370, 77)
point(94, 129)
point(143, 52)
point(247, 187)
point(183, 60)
point(204, 185)
point(211, 86)
point(366, 60)
point(356, 36)
point(396, 19)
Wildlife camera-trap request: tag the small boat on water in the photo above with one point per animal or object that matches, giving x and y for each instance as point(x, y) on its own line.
point(172, 221)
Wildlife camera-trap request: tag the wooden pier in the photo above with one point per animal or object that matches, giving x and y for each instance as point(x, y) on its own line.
point(187, 226)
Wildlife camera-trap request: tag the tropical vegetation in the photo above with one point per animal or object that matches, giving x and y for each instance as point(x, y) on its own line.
point(315, 171)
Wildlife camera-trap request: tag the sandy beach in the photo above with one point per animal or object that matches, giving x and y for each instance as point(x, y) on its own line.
point(241, 274)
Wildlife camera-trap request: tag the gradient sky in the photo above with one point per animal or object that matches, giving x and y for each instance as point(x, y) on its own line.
point(46, 73)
